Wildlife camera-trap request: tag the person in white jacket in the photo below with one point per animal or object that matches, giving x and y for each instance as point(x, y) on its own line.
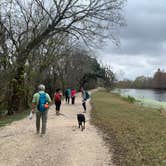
point(83, 95)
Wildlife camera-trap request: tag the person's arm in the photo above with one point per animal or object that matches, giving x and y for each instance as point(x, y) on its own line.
point(61, 95)
point(82, 95)
point(33, 108)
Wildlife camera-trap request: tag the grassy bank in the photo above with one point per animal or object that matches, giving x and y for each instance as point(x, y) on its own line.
point(9, 119)
point(135, 134)
point(153, 104)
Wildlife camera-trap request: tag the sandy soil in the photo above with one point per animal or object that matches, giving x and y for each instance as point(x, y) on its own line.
point(63, 145)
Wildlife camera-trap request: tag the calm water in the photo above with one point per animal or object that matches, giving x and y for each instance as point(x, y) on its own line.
point(158, 95)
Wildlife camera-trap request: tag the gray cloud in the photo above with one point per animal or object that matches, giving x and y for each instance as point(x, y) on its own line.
point(135, 47)
point(143, 40)
point(133, 66)
point(146, 29)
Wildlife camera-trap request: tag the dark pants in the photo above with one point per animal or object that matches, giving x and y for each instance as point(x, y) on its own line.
point(43, 116)
point(67, 99)
point(57, 105)
point(73, 99)
point(84, 105)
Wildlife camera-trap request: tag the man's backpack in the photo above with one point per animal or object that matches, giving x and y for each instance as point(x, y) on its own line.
point(42, 102)
point(87, 95)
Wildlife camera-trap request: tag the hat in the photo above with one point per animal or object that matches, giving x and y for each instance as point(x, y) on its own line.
point(41, 87)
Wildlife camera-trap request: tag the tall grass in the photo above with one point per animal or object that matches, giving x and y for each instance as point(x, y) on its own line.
point(136, 135)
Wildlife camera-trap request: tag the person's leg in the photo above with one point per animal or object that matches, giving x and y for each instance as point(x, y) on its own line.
point(66, 98)
point(59, 106)
point(74, 100)
point(38, 115)
point(44, 121)
point(84, 106)
point(56, 108)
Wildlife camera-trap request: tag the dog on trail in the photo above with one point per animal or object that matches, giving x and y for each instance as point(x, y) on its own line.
point(81, 121)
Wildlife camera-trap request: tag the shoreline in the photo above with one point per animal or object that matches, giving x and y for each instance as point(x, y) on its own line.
point(147, 102)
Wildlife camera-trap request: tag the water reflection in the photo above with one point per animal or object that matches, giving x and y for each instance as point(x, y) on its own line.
point(159, 95)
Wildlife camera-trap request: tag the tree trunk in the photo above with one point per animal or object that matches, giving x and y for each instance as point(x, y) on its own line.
point(17, 91)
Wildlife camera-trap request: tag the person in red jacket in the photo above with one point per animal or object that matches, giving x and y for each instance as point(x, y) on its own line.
point(73, 93)
point(57, 99)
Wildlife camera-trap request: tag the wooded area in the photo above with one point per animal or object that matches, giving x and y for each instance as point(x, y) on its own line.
point(49, 42)
point(158, 81)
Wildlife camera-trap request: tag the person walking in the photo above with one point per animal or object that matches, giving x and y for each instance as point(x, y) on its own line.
point(67, 95)
point(73, 93)
point(57, 99)
point(83, 95)
point(40, 105)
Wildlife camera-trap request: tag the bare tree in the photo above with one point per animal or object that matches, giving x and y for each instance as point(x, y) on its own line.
point(31, 23)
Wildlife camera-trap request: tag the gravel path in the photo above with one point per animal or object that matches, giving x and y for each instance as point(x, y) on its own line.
point(63, 145)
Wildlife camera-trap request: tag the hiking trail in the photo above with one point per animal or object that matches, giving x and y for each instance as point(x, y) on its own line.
point(63, 145)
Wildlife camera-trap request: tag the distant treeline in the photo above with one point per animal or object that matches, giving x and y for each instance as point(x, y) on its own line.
point(158, 81)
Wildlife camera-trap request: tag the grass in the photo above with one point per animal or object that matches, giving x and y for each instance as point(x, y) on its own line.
point(136, 135)
point(152, 103)
point(5, 120)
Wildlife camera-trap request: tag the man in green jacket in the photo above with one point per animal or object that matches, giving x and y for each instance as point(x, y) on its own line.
point(38, 98)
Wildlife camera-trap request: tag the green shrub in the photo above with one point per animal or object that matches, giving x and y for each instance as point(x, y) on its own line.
point(130, 99)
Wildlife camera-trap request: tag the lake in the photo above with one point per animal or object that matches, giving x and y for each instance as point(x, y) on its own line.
point(157, 95)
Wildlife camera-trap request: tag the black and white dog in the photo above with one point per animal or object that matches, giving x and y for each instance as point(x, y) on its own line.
point(81, 121)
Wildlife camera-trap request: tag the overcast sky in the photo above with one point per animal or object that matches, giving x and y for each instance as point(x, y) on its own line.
point(143, 41)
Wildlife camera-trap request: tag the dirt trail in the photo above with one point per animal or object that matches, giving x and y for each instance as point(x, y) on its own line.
point(63, 145)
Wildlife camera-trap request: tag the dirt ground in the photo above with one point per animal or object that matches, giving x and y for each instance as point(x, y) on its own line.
point(63, 145)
